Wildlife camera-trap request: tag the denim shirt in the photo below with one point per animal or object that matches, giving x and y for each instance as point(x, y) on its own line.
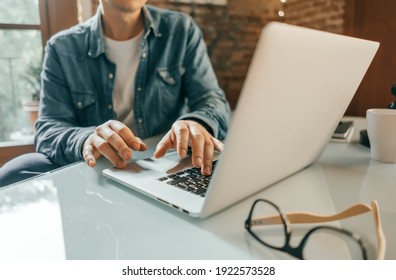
point(174, 73)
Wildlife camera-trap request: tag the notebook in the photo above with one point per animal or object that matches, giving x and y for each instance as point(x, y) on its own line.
point(298, 86)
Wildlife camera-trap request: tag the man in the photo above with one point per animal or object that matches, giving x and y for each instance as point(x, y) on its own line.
point(127, 74)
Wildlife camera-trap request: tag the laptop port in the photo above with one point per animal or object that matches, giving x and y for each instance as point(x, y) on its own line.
point(162, 200)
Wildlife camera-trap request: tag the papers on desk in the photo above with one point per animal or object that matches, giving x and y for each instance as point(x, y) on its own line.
point(343, 132)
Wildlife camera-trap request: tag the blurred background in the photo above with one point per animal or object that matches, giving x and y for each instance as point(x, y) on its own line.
point(231, 29)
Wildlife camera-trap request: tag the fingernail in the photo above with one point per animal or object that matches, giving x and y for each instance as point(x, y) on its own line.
point(183, 153)
point(136, 146)
point(198, 162)
point(207, 170)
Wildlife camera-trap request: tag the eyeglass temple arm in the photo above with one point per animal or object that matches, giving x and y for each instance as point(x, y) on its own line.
point(306, 217)
point(380, 234)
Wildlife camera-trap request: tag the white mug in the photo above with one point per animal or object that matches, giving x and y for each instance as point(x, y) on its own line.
point(381, 129)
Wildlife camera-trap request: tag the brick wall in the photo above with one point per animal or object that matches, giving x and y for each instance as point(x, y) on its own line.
point(318, 14)
point(231, 31)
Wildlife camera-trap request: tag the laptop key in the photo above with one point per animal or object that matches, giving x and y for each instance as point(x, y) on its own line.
point(199, 191)
point(177, 181)
point(190, 180)
point(180, 186)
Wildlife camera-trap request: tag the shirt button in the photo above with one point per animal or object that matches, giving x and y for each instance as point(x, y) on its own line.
point(79, 104)
point(144, 55)
point(140, 120)
point(139, 89)
point(110, 106)
point(111, 76)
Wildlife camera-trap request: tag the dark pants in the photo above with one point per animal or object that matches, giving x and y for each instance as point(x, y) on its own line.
point(24, 167)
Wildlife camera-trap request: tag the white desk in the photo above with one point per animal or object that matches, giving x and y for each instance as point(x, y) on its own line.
point(75, 213)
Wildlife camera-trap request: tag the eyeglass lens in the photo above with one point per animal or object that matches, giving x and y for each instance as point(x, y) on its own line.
point(331, 244)
point(272, 232)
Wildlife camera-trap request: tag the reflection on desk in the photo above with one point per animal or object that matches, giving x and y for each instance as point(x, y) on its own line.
point(75, 213)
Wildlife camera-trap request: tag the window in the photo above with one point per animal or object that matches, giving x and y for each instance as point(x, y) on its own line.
point(25, 26)
point(21, 51)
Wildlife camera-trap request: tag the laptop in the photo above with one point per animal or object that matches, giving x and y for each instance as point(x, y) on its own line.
point(298, 87)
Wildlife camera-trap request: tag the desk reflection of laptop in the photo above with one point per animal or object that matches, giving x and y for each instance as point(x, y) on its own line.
point(299, 84)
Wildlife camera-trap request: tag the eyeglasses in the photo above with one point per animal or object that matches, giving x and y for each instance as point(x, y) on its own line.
point(267, 224)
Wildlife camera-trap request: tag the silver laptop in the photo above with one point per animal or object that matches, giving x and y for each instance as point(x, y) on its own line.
point(297, 89)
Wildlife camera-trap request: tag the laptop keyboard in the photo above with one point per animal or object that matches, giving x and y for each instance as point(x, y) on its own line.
point(190, 180)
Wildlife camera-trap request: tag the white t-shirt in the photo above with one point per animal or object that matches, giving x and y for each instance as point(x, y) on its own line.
point(125, 55)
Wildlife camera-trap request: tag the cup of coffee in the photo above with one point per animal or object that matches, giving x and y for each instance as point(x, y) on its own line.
point(381, 129)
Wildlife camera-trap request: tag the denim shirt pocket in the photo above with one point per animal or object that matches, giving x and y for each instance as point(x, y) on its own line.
point(169, 87)
point(84, 103)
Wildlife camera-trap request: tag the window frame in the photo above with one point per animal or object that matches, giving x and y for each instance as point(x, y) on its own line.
point(55, 15)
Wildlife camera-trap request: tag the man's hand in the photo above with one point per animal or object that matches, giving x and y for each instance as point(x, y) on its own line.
point(113, 140)
point(187, 132)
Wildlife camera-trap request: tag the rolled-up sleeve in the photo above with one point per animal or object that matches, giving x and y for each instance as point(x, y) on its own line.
point(206, 99)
